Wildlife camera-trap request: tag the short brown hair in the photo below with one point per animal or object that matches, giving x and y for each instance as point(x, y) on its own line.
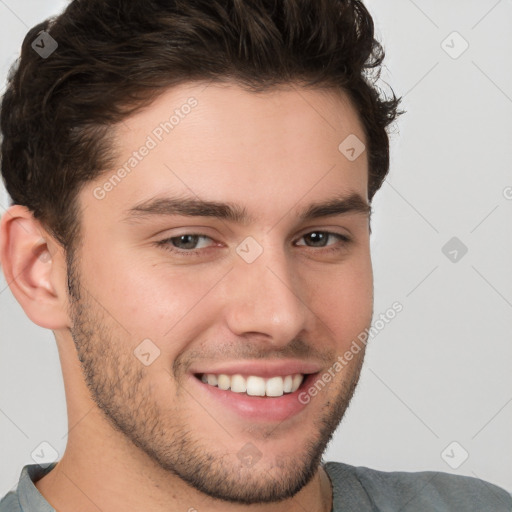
point(116, 56)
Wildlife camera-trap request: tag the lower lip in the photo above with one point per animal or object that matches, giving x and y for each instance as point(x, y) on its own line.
point(257, 408)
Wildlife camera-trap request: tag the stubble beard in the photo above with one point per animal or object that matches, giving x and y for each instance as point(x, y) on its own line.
point(120, 387)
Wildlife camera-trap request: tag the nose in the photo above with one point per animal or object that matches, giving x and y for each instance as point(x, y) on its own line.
point(266, 297)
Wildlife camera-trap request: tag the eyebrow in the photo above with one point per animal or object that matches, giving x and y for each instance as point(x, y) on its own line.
point(193, 207)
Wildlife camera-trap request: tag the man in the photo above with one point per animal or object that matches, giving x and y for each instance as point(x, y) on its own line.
point(192, 186)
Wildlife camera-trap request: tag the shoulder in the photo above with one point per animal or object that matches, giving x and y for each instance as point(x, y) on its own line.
point(419, 491)
point(10, 503)
point(26, 497)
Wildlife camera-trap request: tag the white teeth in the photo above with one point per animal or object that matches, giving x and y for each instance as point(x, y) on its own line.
point(287, 384)
point(274, 386)
point(238, 384)
point(223, 381)
point(297, 381)
point(254, 385)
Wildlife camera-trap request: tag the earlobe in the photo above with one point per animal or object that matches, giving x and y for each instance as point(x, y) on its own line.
point(34, 269)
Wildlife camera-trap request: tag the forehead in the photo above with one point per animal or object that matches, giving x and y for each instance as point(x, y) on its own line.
point(219, 142)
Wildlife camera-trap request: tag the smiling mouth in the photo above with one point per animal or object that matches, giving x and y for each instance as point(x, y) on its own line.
point(253, 385)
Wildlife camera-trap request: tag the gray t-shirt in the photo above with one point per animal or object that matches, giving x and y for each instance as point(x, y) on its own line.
point(355, 489)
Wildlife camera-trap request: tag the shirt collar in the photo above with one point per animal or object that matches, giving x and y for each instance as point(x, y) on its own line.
point(31, 500)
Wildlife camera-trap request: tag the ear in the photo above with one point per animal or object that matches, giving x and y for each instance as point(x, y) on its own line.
point(34, 267)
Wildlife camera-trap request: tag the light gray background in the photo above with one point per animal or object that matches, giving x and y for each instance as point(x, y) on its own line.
point(441, 370)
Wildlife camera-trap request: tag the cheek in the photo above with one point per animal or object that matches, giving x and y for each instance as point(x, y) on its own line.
point(146, 300)
point(344, 299)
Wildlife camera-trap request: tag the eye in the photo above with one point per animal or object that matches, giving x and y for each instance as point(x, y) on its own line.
point(185, 243)
point(321, 238)
point(190, 244)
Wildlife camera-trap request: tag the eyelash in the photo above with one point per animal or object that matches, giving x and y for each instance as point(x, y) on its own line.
point(166, 244)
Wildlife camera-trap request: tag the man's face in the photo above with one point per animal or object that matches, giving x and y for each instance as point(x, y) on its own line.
point(270, 295)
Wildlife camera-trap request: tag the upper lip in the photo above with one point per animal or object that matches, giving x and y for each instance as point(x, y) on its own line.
point(269, 368)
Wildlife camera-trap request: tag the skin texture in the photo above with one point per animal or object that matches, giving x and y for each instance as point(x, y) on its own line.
point(149, 437)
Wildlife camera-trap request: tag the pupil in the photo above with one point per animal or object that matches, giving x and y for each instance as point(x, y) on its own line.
point(318, 239)
point(187, 241)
